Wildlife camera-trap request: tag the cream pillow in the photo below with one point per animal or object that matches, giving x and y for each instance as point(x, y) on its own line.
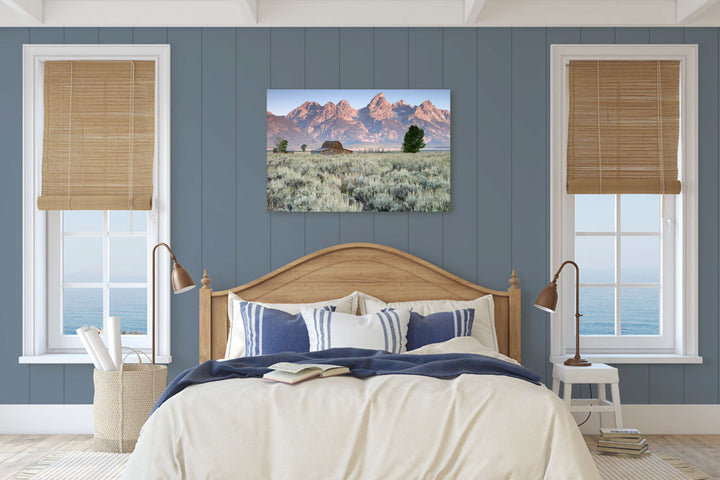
point(460, 345)
point(483, 326)
point(236, 337)
point(377, 331)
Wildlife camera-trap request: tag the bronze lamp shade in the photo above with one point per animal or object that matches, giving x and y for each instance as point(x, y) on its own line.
point(547, 301)
point(181, 279)
point(181, 282)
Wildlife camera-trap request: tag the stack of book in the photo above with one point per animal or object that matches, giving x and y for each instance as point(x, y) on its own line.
point(625, 441)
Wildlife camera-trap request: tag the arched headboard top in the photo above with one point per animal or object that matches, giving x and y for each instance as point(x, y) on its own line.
point(383, 272)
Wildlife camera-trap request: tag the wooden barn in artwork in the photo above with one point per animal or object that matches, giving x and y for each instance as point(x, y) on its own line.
point(331, 147)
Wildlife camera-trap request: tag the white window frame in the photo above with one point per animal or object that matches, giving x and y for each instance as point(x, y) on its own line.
point(663, 343)
point(35, 222)
point(57, 342)
point(682, 229)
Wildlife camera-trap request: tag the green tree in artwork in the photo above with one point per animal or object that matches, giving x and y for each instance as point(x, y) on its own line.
point(281, 144)
point(414, 139)
point(303, 146)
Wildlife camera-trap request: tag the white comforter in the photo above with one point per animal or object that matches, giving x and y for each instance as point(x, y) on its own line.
point(384, 427)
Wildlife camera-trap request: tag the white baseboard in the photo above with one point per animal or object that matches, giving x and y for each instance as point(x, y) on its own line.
point(662, 419)
point(649, 419)
point(46, 419)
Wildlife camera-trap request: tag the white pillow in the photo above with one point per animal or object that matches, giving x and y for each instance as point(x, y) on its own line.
point(460, 345)
point(483, 326)
point(377, 331)
point(236, 337)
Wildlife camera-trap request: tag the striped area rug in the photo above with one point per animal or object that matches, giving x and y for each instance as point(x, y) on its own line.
point(651, 466)
point(110, 466)
point(76, 466)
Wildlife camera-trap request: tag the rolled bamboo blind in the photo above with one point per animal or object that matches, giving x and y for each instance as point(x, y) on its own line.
point(624, 127)
point(99, 135)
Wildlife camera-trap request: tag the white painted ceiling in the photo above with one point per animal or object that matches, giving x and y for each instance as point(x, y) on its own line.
point(343, 13)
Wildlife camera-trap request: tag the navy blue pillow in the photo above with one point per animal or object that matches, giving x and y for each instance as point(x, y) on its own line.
point(439, 327)
point(268, 330)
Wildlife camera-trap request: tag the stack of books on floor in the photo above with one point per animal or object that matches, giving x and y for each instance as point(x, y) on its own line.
point(624, 441)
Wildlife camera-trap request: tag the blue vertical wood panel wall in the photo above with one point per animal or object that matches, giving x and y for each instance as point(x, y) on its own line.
point(500, 104)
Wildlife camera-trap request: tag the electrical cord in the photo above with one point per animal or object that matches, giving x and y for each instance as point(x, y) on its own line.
point(589, 413)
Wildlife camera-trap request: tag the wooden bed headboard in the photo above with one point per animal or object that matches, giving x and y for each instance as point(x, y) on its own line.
point(383, 272)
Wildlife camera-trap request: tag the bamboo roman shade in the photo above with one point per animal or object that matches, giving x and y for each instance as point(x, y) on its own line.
point(99, 135)
point(624, 126)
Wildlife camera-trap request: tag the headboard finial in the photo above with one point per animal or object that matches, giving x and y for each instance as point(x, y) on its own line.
point(514, 280)
point(205, 280)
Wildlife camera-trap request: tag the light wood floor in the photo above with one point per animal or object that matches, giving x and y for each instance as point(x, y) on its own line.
point(19, 451)
point(700, 451)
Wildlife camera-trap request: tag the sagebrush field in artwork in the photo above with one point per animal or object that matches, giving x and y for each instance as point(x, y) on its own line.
point(382, 182)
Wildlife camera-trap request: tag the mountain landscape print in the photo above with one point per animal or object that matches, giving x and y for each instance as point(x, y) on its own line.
point(358, 150)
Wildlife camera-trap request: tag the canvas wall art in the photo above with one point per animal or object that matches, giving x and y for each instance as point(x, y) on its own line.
point(358, 150)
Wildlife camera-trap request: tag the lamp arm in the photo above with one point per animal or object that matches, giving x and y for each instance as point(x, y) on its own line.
point(577, 283)
point(577, 360)
point(163, 244)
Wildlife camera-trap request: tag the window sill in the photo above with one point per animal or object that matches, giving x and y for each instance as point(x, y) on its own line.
point(81, 358)
point(640, 358)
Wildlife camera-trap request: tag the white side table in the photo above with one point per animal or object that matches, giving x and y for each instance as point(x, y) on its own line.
point(598, 374)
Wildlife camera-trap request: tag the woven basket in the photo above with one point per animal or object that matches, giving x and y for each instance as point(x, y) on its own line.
point(123, 401)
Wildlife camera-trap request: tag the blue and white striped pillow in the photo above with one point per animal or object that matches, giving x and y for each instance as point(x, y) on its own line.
point(439, 327)
point(273, 331)
point(377, 331)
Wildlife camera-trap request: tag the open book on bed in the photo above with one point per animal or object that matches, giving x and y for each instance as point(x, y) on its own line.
point(292, 373)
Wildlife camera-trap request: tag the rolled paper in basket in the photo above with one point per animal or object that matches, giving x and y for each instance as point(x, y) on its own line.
point(96, 343)
point(91, 353)
point(114, 341)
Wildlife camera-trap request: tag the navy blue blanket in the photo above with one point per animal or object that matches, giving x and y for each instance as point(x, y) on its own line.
point(361, 362)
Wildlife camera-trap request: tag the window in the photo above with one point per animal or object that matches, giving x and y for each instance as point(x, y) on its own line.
point(98, 267)
point(637, 252)
point(621, 242)
point(81, 266)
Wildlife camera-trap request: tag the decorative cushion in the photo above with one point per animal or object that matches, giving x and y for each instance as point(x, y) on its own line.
point(483, 325)
point(268, 330)
point(236, 336)
point(377, 331)
point(438, 327)
point(460, 345)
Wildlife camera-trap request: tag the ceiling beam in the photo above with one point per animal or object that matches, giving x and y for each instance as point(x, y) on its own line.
point(30, 9)
point(355, 13)
point(691, 9)
point(249, 9)
point(472, 10)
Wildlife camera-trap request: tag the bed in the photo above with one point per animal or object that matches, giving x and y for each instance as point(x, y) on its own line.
point(391, 426)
